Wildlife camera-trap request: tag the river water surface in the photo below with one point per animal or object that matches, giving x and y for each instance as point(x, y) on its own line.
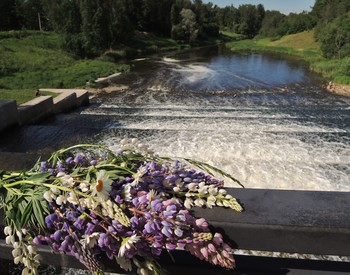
point(265, 119)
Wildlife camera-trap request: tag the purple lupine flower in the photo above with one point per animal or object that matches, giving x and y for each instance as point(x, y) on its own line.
point(78, 158)
point(70, 160)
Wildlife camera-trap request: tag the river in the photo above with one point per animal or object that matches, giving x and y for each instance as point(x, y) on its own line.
point(263, 118)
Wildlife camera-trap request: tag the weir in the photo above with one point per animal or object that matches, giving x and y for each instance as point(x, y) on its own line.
point(301, 222)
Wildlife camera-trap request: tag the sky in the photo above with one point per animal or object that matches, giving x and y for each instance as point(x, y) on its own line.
point(284, 6)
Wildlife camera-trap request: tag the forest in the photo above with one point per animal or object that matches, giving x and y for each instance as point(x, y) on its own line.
point(90, 27)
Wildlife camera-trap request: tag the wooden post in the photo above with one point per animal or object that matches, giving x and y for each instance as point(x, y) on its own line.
point(39, 19)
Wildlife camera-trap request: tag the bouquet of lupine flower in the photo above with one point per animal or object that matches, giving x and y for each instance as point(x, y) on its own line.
point(127, 204)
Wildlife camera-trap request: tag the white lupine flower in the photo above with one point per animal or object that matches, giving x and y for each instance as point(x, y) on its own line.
point(25, 271)
point(49, 196)
point(16, 252)
point(222, 191)
point(188, 203)
point(191, 187)
point(24, 231)
point(66, 180)
point(199, 202)
point(61, 199)
point(127, 192)
point(61, 174)
point(72, 198)
point(18, 259)
point(31, 249)
point(55, 190)
point(212, 190)
point(143, 271)
point(8, 230)
point(211, 201)
point(202, 188)
point(26, 262)
point(10, 239)
point(176, 189)
point(84, 186)
point(19, 235)
point(37, 258)
point(124, 263)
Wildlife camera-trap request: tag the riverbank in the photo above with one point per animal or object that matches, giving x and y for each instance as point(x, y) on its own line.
point(339, 89)
point(30, 60)
point(303, 45)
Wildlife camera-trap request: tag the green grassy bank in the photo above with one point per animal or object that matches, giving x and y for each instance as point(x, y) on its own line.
point(33, 60)
point(302, 45)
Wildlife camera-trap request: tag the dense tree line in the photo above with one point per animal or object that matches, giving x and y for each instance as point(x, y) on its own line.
point(90, 27)
point(246, 19)
point(333, 27)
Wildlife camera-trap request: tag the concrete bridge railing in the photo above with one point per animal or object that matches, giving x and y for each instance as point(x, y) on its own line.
point(303, 222)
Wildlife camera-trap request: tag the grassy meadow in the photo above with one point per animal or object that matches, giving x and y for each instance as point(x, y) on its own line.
point(302, 45)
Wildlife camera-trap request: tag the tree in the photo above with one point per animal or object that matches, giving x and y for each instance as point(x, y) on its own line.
point(332, 28)
point(272, 23)
point(335, 38)
point(10, 17)
point(33, 14)
point(187, 30)
point(206, 19)
point(251, 18)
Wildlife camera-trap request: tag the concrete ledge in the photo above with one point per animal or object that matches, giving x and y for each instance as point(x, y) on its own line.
point(82, 97)
point(301, 222)
point(64, 102)
point(8, 113)
point(35, 109)
point(305, 222)
point(41, 107)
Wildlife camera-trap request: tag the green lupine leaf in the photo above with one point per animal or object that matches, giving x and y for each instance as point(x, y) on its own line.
point(41, 177)
point(26, 214)
point(38, 213)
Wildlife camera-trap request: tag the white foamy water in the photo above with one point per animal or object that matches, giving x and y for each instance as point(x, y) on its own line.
point(262, 148)
point(256, 118)
point(196, 72)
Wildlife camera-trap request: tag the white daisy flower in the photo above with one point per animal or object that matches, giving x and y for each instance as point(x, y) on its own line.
point(127, 244)
point(90, 240)
point(102, 187)
point(138, 176)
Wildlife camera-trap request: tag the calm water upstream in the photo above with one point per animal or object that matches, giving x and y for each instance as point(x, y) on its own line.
point(263, 118)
